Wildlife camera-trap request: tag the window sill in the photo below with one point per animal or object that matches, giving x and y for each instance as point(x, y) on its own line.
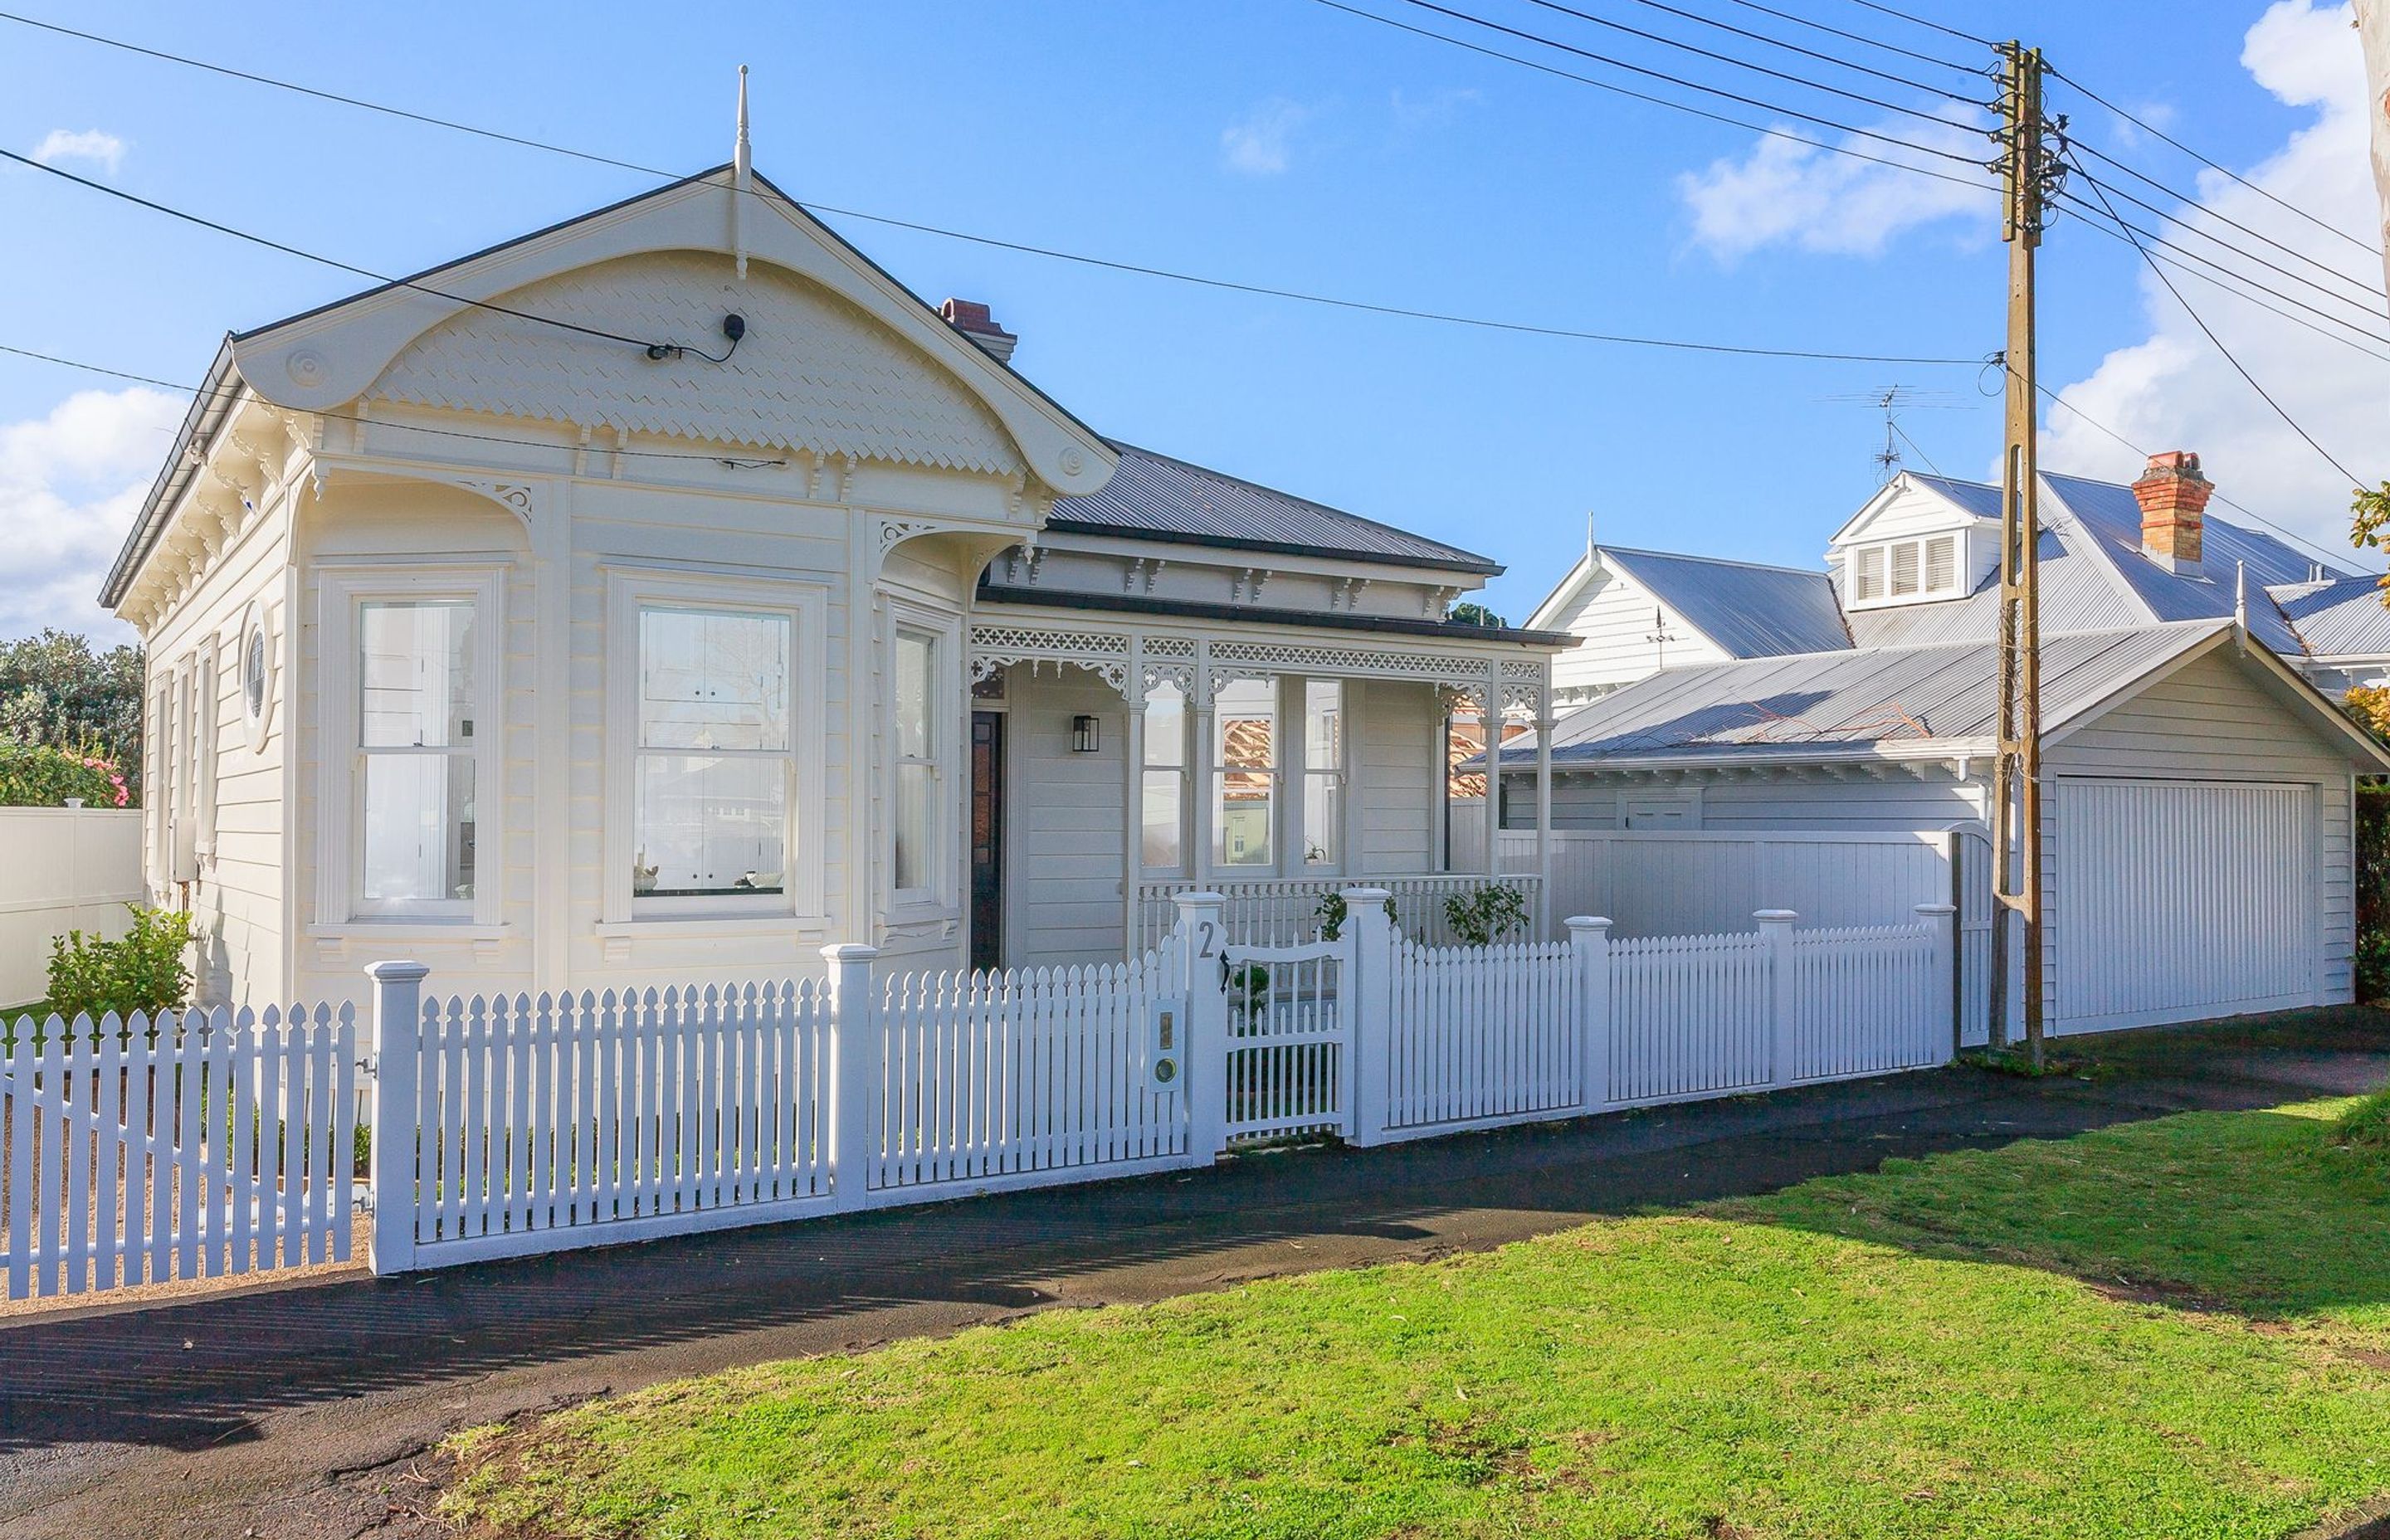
point(670, 926)
point(410, 928)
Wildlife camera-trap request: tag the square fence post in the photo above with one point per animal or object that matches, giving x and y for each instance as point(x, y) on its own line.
point(1589, 946)
point(1202, 938)
point(397, 1115)
point(1776, 936)
point(857, 1047)
point(1369, 934)
point(1942, 986)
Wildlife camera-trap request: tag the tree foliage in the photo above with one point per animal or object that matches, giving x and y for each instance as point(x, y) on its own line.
point(2370, 522)
point(1472, 613)
point(57, 692)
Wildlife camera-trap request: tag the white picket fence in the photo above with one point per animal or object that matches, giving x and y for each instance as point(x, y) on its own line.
point(199, 1144)
point(1008, 1079)
point(517, 1125)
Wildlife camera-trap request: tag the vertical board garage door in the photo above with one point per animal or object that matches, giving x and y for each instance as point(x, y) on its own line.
point(2178, 900)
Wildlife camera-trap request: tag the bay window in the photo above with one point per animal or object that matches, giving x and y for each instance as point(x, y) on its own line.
point(714, 733)
point(919, 801)
point(1162, 780)
point(410, 665)
point(710, 773)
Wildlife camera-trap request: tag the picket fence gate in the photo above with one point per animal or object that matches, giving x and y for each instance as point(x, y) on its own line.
point(196, 1144)
point(209, 1142)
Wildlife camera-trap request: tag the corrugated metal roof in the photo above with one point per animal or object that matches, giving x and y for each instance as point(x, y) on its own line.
point(2078, 592)
point(1982, 501)
point(1749, 610)
point(1852, 699)
point(2111, 513)
point(2342, 618)
point(1154, 496)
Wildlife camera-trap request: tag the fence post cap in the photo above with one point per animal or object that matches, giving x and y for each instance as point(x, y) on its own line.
point(849, 951)
point(396, 972)
point(1364, 895)
point(1588, 922)
point(1189, 901)
point(1937, 908)
point(1781, 917)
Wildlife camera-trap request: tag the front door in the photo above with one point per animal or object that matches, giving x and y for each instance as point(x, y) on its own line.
point(987, 839)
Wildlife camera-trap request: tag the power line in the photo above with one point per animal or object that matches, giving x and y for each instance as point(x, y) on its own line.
point(1765, 130)
point(228, 391)
point(2099, 219)
point(2291, 535)
point(2159, 133)
point(1738, 62)
point(2218, 343)
point(1109, 265)
point(1791, 47)
point(1712, 90)
point(273, 245)
point(2370, 305)
point(1861, 37)
point(1921, 22)
point(2190, 201)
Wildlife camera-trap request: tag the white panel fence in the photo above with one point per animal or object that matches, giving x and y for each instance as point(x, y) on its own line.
point(67, 869)
point(518, 1124)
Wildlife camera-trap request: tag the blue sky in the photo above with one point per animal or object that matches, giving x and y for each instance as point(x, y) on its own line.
point(1270, 141)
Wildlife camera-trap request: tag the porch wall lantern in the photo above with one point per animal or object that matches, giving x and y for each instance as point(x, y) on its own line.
point(1085, 734)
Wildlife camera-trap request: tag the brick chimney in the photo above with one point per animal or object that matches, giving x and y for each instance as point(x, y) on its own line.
point(971, 318)
point(2174, 497)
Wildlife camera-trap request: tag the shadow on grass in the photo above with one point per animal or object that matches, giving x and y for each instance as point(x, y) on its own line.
point(2260, 1213)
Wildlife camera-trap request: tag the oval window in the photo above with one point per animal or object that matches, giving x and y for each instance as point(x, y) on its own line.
point(256, 676)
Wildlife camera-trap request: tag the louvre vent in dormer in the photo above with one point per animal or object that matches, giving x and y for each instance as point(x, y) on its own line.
point(1901, 572)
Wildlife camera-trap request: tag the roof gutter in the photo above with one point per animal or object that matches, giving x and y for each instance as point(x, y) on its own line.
point(208, 410)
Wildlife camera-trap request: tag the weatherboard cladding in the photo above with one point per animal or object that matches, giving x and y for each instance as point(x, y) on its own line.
point(1155, 496)
point(1850, 700)
point(1749, 610)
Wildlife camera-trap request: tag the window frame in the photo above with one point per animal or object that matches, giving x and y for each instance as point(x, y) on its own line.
point(341, 595)
point(1182, 772)
point(1215, 853)
point(630, 590)
point(1887, 556)
point(942, 708)
point(1338, 775)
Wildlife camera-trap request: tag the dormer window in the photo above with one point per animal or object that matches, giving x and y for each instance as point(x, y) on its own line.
point(1897, 570)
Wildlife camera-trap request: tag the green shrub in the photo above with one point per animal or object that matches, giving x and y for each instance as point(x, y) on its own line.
point(1332, 915)
point(142, 971)
point(2372, 891)
point(1485, 914)
point(34, 775)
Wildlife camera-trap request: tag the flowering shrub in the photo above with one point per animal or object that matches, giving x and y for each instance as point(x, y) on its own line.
point(38, 775)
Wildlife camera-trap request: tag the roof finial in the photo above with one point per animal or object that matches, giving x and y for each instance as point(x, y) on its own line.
point(1589, 547)
point(742, 178)
point(2241, 605)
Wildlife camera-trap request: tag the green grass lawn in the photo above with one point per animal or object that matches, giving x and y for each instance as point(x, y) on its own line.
point(2174, 1329)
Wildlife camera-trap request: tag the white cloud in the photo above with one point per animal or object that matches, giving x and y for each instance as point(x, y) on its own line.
point(1262, 142)
point(69, 486)
point(2173, 391)
point(91, 144)
point(1786, 193)
point(1434, 110)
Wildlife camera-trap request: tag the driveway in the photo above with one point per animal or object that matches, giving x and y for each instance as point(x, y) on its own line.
point(312, 1410)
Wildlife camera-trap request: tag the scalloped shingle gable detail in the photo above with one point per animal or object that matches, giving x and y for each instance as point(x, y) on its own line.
point(814, 372)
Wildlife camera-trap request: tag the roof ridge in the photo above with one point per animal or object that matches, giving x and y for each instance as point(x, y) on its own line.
point(1248, 484)
point(1818, 572)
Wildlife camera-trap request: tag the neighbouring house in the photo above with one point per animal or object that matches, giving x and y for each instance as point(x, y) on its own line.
point(666, 593)
point(2200, 784)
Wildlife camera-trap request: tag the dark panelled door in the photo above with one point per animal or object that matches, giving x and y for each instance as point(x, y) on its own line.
point(987, 839)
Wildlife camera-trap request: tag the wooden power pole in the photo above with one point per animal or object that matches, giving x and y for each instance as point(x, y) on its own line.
point(2016, 782)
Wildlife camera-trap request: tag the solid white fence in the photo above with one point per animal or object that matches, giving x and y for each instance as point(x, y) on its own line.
point(68, 868)
point(202, 1144)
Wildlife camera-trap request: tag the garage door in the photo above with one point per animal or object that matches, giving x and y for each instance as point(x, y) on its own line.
point(2178, 900)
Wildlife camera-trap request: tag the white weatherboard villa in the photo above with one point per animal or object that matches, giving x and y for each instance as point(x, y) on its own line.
point(666, 593)
point(2198, 857)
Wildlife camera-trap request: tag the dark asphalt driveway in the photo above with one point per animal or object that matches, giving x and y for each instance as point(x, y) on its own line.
point(304, 1410)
